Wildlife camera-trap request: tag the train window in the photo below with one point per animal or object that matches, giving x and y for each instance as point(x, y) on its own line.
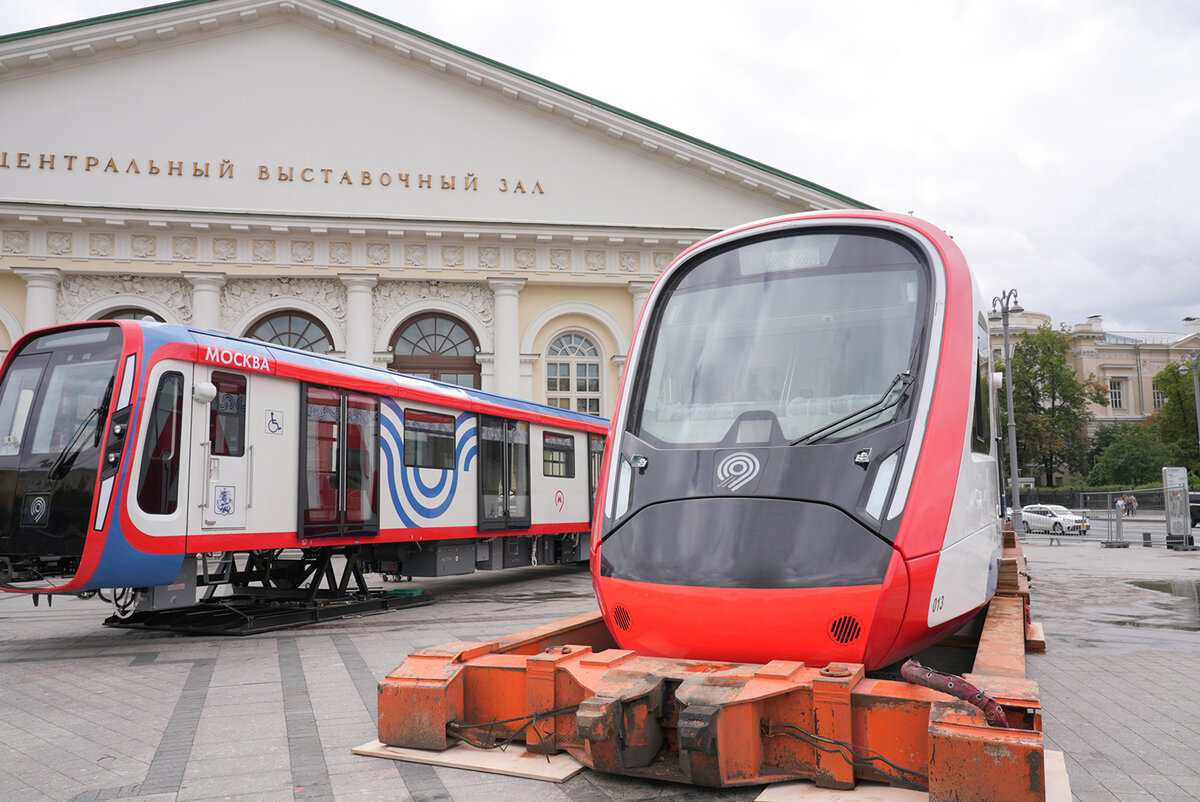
point(981, 429)
point(227, 415)
point(75, 392)
point(595, 461)
point(15, 402)
point(322, 453)
point(362, 453)
point(808, 329)
point(428, 440)
point(158, 479)
point(504, 473)
point(558, 455)
point(340, 447)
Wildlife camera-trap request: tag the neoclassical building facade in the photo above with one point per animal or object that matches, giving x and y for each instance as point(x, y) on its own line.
point(306, 173)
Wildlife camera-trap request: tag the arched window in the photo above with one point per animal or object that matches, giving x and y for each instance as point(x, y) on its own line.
point(573, 374)
point(293, 329)
point(129, 313)
point(436, 346)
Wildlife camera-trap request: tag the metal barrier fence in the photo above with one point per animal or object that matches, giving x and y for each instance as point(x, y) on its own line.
point(1140, 518)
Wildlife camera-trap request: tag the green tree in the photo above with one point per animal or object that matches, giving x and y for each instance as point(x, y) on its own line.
point(1051, 404)
point(1176, 421)
point(1134, 455)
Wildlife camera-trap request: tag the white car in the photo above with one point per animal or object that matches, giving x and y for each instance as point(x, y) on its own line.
point(1052, 518)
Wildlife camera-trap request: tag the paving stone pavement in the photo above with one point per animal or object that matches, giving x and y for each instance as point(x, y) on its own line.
point(92, 713)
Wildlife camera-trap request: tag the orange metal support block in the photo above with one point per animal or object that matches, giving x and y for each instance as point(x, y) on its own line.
point(972, 762)
point(705, 723)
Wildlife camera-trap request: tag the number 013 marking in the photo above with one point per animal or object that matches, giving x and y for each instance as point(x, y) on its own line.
point(938, 603)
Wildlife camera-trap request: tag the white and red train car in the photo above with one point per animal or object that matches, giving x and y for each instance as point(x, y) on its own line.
point(129, 448)
point(803, 462)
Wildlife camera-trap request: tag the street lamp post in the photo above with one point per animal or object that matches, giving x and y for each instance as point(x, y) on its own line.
point(1004, 303)
point(1191, 364)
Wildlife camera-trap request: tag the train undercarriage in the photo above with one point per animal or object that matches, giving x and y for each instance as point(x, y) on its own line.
point(244, 593)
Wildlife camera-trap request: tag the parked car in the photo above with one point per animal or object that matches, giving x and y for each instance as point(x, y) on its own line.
point(1054, 519)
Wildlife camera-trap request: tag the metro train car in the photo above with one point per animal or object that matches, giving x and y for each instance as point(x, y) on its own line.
point(158, 459)
point(803, 458)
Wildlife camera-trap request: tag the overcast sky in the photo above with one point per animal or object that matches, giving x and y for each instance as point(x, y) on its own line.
point(1058, 141)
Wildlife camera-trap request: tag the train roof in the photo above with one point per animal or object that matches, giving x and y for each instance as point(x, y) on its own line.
point(433, 391)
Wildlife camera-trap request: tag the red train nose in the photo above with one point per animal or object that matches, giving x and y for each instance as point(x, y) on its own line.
point(742, 625)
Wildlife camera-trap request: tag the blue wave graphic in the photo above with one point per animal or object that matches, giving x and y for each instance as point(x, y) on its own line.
point(418, 499)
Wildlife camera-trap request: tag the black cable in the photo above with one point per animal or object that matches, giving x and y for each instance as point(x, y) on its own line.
point(530, 720)
point(849, 752)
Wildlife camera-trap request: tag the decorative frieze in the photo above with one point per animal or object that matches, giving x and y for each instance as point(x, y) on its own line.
point(414, 255)
point(379, 254)
point(263, 250)
point(144, 246)
point(302, 252)
point(224, 249)
point(101, 245)
point(393, 295)
point(59, 243)
point(77, 292)
point(16, 242)
point(240, 295)
point(184, 248)
point(241, 246)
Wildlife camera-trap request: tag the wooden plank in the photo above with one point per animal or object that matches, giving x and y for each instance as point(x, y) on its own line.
point(514, 761)
point(1058, 784)
point(863, 792)
point(1035, 638)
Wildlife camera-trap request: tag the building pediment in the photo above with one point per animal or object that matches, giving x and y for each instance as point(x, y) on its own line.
point(310, 107)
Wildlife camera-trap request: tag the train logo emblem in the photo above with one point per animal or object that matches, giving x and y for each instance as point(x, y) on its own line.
point(223, 500)
point(559, 500)
point(36, 509)
point(737, 470)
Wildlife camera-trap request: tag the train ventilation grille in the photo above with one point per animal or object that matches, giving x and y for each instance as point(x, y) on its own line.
point(845, 629)
point(621, 617)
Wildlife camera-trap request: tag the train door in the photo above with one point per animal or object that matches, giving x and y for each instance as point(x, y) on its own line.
point(339, 478)
point(503, 473)
point(595, 459)
point(222, 434)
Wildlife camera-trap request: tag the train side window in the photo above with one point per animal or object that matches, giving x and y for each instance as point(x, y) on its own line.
point(227, 415)
point(981, 430)
point(158, 479)
point(558, 455)
point(15, 402)
point(428, 440)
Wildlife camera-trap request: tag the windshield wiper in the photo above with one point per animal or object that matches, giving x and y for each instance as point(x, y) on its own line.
point(66, 458)
point(891, 397)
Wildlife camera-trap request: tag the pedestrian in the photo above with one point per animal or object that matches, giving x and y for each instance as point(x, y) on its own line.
point(1120, 505)
point(1133, 505)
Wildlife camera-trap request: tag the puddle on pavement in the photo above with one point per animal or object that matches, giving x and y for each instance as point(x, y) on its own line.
point(1177, 608)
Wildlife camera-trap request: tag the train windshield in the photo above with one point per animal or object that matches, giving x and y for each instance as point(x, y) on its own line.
point(783, 339)
point(75, 376)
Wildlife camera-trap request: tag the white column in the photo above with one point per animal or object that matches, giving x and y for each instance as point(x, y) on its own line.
point(359, 316)
point(507, 335)
point(41, 295)
point(206, 299)
point(640, 290)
